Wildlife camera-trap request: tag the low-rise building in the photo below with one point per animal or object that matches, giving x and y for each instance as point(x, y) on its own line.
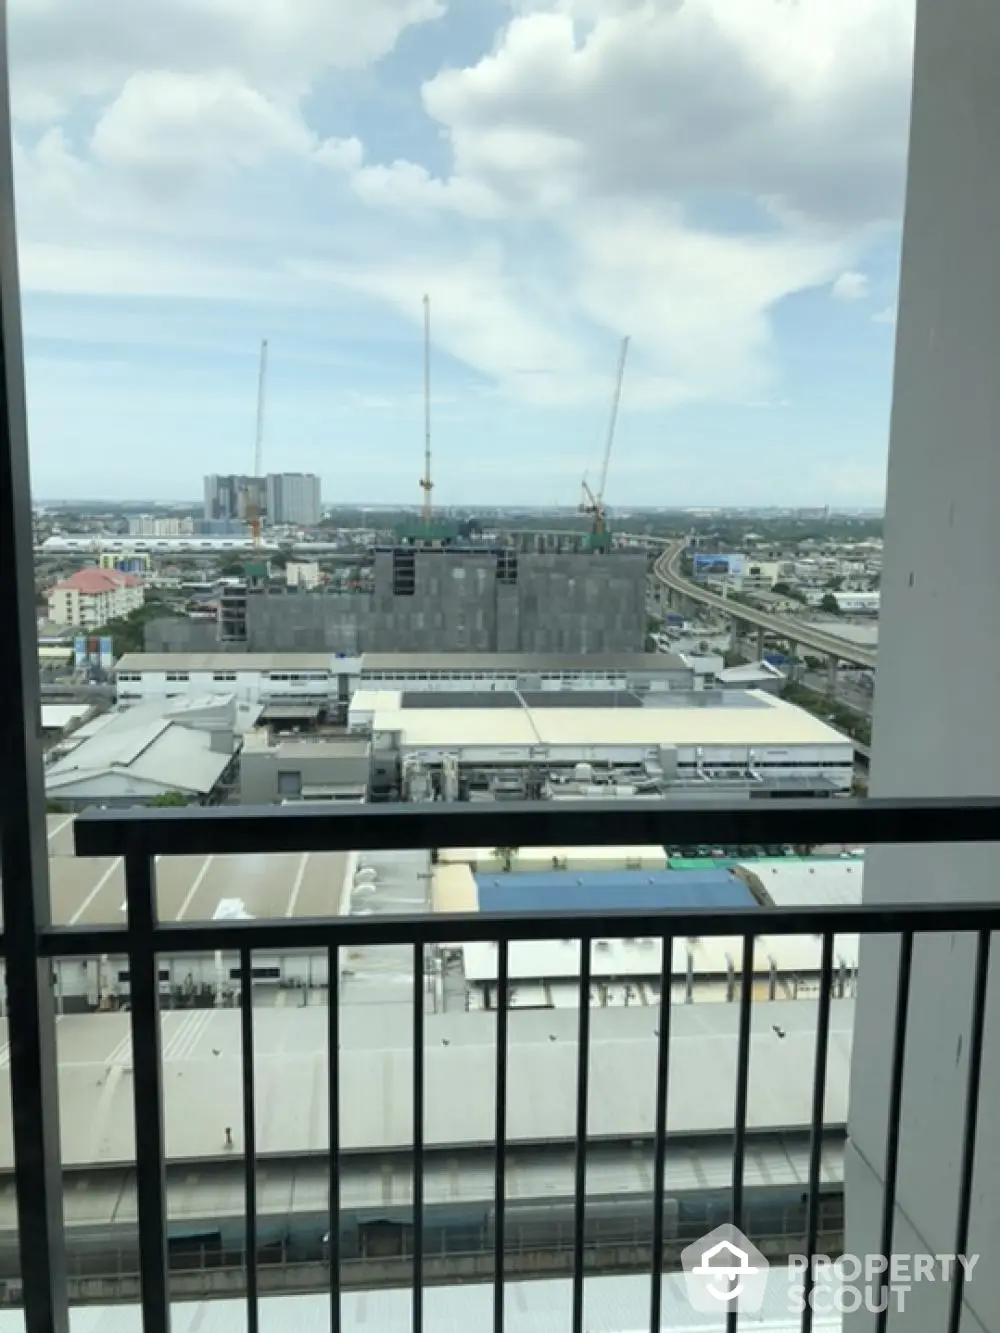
point(91, 597)
point(135, 755)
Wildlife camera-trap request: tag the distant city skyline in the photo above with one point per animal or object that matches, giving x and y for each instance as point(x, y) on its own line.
point(723, 183)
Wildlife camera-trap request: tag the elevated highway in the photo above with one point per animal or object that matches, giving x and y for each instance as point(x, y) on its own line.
point(801, 633)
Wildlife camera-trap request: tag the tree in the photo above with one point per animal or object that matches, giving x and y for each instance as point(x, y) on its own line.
point(505, 855)
point(169, 798)
point(835, 584)
point(830, 604)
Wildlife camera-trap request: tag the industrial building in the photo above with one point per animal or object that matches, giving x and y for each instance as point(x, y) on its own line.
point(618, 743)
point(272, 770)
point(135, 755)
point(203, 1148)
point(201, 1027)
point(326, 680)
point(627, 973)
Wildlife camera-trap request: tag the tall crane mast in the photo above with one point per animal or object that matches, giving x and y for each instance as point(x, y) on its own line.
point(426, 484)
point(254, 505)
point(593, 501)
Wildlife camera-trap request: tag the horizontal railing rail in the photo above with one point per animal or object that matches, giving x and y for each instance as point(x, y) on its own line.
point(236, 830)
point(142, 837)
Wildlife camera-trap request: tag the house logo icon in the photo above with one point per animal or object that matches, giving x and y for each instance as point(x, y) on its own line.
point(724, 1271)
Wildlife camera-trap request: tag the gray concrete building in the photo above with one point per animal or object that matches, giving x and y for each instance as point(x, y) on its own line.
point(449, 600)
point(331, 769)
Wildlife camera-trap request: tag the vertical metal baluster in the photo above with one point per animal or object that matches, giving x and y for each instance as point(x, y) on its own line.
point(740, 1115)
point(249, 1135)
point(892, 1128)
point(500, 1177)
point(29, 1007)
point(418, 1138)
point(333, 1041)
point(660, 1139)
point(580, 1170)
point(147, 1087)
point(979, 987)
point(818, 1119)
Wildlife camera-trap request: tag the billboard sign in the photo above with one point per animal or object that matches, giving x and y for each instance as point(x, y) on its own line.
point(107, 654)
point(79, 653)
point(711, 565)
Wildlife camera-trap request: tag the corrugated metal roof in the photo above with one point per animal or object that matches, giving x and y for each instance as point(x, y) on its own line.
point(525, 663)
point(227, 662)
point(618, 1304)
point(218, 1189)
point(818, 882)
point(596, 890)
point(202, 1089)
point(551, 960)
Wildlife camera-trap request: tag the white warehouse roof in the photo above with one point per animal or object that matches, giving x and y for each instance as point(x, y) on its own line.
point(756, 720)
point(616, 1304)
point(201, 1056)
point(815, 881)
point(555, 960)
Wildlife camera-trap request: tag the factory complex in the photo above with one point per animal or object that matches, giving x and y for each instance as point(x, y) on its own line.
point(201, 1060)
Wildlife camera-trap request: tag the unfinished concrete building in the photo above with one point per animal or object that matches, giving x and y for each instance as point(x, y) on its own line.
point(445, 599)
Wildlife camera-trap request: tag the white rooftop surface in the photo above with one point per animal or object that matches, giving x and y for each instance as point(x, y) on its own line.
point(551, 960)
point(618, 1304)
point(574, 858)
point(771, 722)
point(202, 1083)
point(135, 750)
point(57, 716)
point(819, 883)
point(226, 662)
point(91, 890)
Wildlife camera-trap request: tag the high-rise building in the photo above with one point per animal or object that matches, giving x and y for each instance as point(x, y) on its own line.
point(293, 498)
point(227, 496)
point(283, 498)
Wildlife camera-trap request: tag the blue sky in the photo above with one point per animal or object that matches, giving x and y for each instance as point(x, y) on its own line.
point(721, 182)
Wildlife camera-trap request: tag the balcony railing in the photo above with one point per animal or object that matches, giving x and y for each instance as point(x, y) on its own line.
point(140, 836)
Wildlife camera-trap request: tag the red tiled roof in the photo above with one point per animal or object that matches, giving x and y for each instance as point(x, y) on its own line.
point(90, 582)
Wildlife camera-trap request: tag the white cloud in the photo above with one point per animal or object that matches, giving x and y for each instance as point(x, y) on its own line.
point(886, 316)
point(168, 147)
point(65, 50)
point(850, 286)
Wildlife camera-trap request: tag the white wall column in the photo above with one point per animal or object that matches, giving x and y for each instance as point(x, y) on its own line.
point(936, 724)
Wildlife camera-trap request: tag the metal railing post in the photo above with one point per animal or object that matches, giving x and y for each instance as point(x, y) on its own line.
point(147, 1084)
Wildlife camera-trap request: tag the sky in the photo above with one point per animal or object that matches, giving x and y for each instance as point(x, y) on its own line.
point(720, 180)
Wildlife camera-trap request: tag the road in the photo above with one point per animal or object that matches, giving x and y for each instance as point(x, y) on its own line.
point(667, 570)
point(848, 693)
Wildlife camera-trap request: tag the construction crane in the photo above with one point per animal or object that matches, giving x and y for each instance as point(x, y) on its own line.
point(593, 501)
point(426, 485)
point(254, 504)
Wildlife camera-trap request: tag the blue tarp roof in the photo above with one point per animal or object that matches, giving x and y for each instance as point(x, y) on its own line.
point(601, 890)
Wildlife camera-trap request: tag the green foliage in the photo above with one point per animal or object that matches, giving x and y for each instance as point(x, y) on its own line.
point(830, 604)
point(505, 855)
point(126, 633)
point(169, 798)
point(55, 808)
point(786, 590)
